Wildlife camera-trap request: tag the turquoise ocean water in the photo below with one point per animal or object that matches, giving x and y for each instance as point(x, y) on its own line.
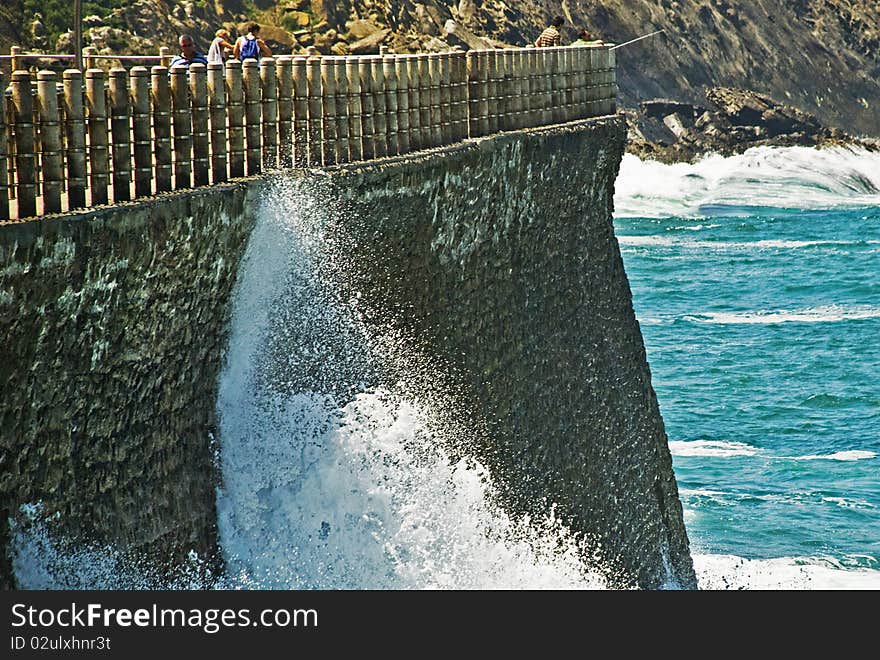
point(754, 279)
point(755, 282)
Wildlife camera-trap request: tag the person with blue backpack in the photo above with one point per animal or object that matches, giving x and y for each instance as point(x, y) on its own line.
point(250, 45)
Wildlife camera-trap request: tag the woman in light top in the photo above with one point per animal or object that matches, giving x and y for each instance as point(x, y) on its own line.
point(221, 47)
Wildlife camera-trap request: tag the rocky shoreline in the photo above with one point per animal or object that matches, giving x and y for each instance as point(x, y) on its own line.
point(732, 121)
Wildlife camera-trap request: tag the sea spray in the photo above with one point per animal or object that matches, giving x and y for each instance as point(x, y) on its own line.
point(350, 475)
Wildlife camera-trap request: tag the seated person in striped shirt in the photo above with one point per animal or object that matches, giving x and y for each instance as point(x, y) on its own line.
point(550, 36)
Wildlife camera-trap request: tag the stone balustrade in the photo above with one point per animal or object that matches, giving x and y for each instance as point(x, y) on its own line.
point(96, 138)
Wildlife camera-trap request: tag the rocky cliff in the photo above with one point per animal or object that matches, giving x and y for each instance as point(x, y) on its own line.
point(729, 122)
point(822, 56)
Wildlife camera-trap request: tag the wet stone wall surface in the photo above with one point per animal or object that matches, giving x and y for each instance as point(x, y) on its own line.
point(113, 326)
point(496, 256)
point(499, 258)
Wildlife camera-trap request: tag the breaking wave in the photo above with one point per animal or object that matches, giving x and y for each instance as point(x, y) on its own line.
point(780, 177)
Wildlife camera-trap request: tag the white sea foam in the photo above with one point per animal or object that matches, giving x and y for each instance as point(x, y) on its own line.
point(322, 490)
point(43, 559)
point(782, 177)
point(848, 503)
point(797, 498)
point(642, 241)
point(700, 492)
point(720, 572)
point(715, 448)
point(823, 314)
point(688, 243)
point(850, 455)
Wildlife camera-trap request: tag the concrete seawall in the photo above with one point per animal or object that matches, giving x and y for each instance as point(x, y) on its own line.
point(498, 255)
point(113, 324)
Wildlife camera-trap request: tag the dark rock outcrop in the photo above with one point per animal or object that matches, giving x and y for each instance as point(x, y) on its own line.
point(733, 121)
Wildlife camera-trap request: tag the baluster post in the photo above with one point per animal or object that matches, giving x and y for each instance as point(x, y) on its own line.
point(10, 140)
point(473, 92)
point(217, 117)
point(612, 81)
point(181, 120)
point(436, 117)
point(505, 77)
point(495, 90)
point(368, 127)
point(4, 175)
point(579, 81)
point(562, 79)
point(300, 112)
point(313, 69)
point(16, 61)
point(96, 106)
point(269, 103)
point(517, 90)
point(25, 143)
point(355, 141)
point(413, 101)
point(160, 90)
point(596, 60)
point(534, 116)
point(443, 65)
point(328, 123)
point(390, 74)
point(89, 59)
point(75, 138)
point(557, 66)
point(252, 115)
point(380, 144)
point(120, 132)
point(198, 94)
point(342, 110)
point(285, 110)
point(546, 81)
point(50, 141)
point(460, 96)
point(425, 133)
point(235, 113)
point(140, 124)
point(401, 70)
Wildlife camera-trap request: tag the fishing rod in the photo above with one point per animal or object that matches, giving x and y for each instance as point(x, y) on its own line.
point(632, 41)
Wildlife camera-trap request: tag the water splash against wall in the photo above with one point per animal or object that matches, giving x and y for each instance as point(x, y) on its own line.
point(336, 472)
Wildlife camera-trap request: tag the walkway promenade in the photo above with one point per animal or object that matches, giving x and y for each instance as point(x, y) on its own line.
point(101, 137)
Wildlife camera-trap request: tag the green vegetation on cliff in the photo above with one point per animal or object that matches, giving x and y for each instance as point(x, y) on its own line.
point(58, 15)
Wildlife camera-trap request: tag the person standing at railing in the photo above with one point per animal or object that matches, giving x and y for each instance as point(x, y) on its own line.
point(188, 53)
point(221, 47)
point(250, 45)
point(38, 32)
point(586, 39)
point(550, 36)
